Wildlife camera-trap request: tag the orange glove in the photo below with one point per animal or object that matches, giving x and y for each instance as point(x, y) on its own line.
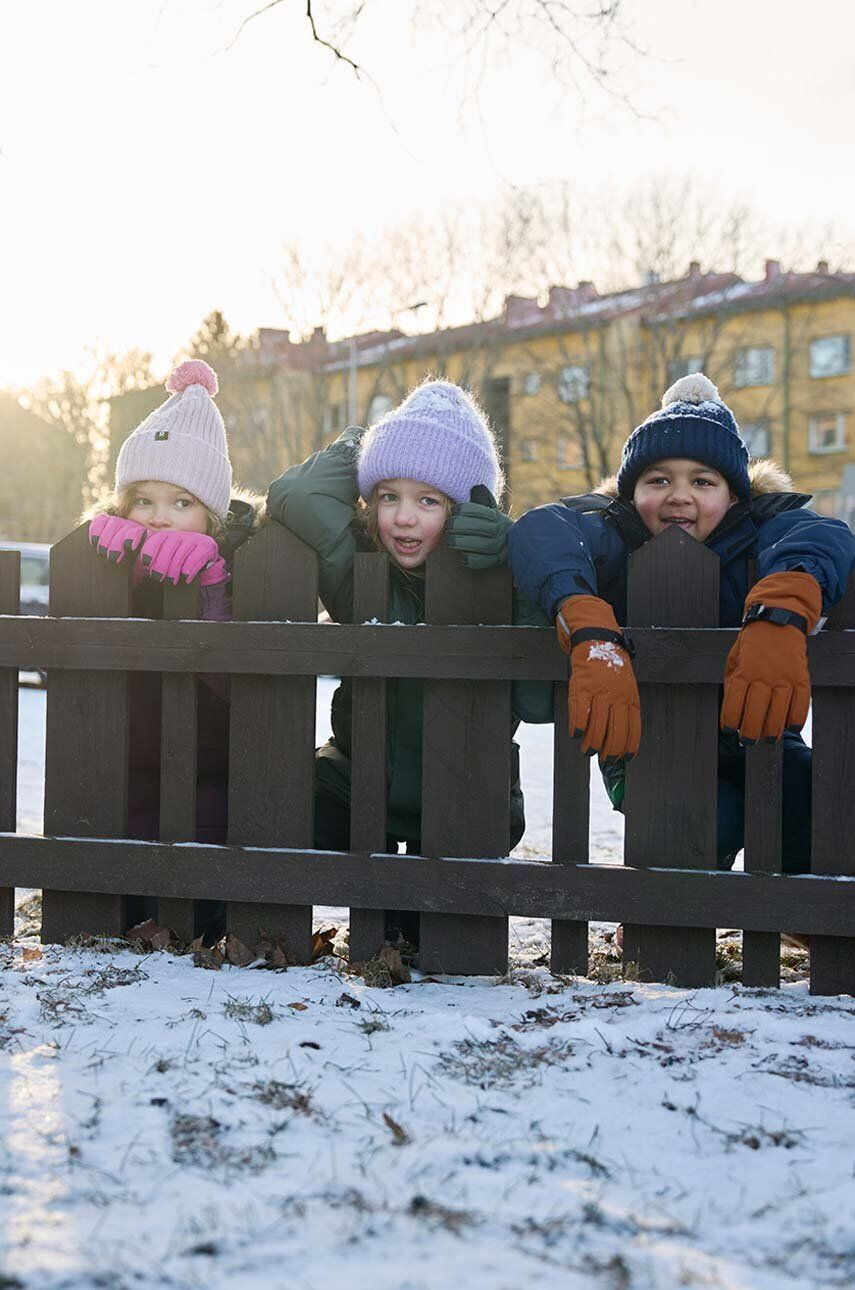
point(766, 681)
point(602, 696)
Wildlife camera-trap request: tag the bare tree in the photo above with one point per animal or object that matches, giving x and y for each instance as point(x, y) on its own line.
point(584, 48)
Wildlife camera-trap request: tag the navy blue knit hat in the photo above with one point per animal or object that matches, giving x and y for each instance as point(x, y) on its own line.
point(693, 422)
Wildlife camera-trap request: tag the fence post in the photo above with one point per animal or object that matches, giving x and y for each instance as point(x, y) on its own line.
point(178, 757)
point(466, 767)
point(571, 805)
point(832, 958)
point(272, 731)
point(86, 750)
point(673, 582)
point(368, 786)
point(10, 603)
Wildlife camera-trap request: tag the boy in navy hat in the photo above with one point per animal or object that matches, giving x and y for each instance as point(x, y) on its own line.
point(688, 465)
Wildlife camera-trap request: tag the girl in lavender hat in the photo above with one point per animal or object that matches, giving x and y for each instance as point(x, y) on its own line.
point(427, 473)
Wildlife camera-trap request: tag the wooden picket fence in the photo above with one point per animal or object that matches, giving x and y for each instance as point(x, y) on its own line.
point(667, 893)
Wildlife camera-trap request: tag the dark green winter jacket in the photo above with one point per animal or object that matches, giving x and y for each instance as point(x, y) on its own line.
point(317, 502)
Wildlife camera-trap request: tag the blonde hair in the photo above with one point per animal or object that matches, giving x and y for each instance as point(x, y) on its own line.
point(369, 513)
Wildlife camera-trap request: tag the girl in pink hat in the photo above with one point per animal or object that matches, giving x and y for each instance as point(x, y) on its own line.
point(174, 514)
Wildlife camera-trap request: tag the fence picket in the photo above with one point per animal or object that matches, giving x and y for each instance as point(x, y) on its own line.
point(832, 958)
point(86, 748)
point(466, 767)
point(571, 802)
point(272, 731)
point(10, 603)
point(761, 951)
point(178, 758)
point(368, 785)
point(673, 580)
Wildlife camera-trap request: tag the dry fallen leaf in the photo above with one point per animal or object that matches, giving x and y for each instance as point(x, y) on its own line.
point(212, 959)
point(237, 953)
point(142, 931)
point(400, 1137)
point(398, 971)
point(298, 1007)
point(322, 942)
point(31, 952)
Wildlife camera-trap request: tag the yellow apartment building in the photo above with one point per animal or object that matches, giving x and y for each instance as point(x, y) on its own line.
point(564, 380)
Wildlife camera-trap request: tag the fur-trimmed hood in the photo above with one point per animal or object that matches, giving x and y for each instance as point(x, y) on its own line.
point(766, 477)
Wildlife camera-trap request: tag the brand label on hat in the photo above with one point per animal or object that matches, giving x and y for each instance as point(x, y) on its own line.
point(161, 434)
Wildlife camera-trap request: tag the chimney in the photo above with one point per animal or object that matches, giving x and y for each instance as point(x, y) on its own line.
point(822, 266)
point(773, 270)
point(694, 269)
point(521, 311)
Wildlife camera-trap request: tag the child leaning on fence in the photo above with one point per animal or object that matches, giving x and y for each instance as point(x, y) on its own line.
point(687, 465)
point(416, 471)
point(174, 514)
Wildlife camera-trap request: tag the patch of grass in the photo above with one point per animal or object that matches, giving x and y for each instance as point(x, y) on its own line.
point(198, 1140)
point(436, 1215)
point(284, 1097)
point(373, 1024)
point(260, 1013)
point(500, 1062)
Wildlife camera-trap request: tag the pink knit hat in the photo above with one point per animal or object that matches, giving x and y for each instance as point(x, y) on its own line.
point(183, 442)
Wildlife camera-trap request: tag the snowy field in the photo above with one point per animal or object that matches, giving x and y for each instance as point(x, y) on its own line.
point(165, 1125)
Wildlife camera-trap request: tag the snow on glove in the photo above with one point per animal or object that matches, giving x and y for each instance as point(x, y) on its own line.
point(766, 681)
point(112, 536)
point(603, 703)
point(479, 530)
point(172, 554)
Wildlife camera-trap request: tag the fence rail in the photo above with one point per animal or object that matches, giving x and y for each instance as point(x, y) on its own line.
point(667, 893)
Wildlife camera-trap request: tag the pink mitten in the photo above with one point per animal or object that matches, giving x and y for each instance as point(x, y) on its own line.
point(173, 554)
point(112, 536)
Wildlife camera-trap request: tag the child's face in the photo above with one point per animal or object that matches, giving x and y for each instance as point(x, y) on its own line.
point(165, 506)
point(410, 519)
point(686, 493)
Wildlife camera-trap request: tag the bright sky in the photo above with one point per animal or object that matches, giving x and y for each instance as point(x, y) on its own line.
point(148, 174)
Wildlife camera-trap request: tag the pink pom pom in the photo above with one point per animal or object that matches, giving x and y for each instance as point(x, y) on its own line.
point(194, 372)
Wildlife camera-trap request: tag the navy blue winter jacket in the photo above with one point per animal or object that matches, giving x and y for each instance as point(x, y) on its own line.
point(579, 546)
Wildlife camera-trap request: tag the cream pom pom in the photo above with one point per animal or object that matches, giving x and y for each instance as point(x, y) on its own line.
point(694, 388)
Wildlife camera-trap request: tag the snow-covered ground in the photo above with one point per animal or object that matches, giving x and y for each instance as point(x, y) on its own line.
point(164, 1125)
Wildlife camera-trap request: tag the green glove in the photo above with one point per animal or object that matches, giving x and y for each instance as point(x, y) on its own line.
point(479, 530)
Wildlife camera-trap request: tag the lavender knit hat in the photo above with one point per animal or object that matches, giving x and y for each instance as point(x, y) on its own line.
point(183, 442)
point(438, 435)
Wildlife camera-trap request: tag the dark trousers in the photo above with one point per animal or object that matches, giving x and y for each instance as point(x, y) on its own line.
point(796, 813)
point(332, 833)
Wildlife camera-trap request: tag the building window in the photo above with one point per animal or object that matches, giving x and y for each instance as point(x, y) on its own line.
point(826, 501)
point(829, 356)
point(684, 367)
point(573, 384)
point(758, 439)
point(531, 383)
point(754, 366)
point(569, 454)
point(827, 432)
point(335, 415)
point(378, 407)
point(528, 450)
